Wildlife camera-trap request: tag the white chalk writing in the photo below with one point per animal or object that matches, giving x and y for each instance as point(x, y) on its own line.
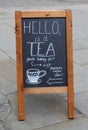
point(39, 51)
point(40, 27)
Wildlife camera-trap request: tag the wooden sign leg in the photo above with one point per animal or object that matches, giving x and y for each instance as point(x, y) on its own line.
point(21, 114)
point(70, 88)
point(70, 103)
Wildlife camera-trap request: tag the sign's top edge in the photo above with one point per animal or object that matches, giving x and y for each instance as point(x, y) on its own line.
point(59, 10)
point(45, 13)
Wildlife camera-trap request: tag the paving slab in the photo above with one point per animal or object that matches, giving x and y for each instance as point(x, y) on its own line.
point(80, 57)
point(80, 16)
point(1, 127)
point(40, 111)
point(80, 78)
point(3, 55)
point(78, 32)
point(80, 44)
point(6, 31)
point(8, 76)
point(8, 70)
point(5, 107)
point(7, 86)
point(81, 103)
point(8, 47)
point(78, 124)
point(32, 3)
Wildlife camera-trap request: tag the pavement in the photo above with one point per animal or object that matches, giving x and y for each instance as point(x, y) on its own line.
point(43, 112)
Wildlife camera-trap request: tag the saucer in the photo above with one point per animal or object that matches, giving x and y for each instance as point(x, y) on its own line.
point(39, 81)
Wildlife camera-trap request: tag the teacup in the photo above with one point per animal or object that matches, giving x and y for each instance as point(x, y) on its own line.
point(34, 75)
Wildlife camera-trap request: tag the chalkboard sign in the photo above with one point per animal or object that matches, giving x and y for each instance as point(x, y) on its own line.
point(44, 52)
point(44, 55)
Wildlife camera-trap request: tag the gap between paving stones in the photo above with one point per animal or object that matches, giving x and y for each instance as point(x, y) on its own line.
point(5, 106)
point(61, 123)
point(5, 110)
point(4, 52)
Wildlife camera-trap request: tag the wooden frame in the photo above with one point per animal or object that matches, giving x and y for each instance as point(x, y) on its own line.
point(69, 89)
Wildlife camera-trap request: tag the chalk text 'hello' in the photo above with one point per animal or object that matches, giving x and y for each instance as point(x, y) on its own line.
point(41, 27)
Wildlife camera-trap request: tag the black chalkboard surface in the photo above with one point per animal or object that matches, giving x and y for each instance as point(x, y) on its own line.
point(44, 52)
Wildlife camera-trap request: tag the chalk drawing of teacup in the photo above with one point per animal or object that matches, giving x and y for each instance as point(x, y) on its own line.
point(34, 75)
